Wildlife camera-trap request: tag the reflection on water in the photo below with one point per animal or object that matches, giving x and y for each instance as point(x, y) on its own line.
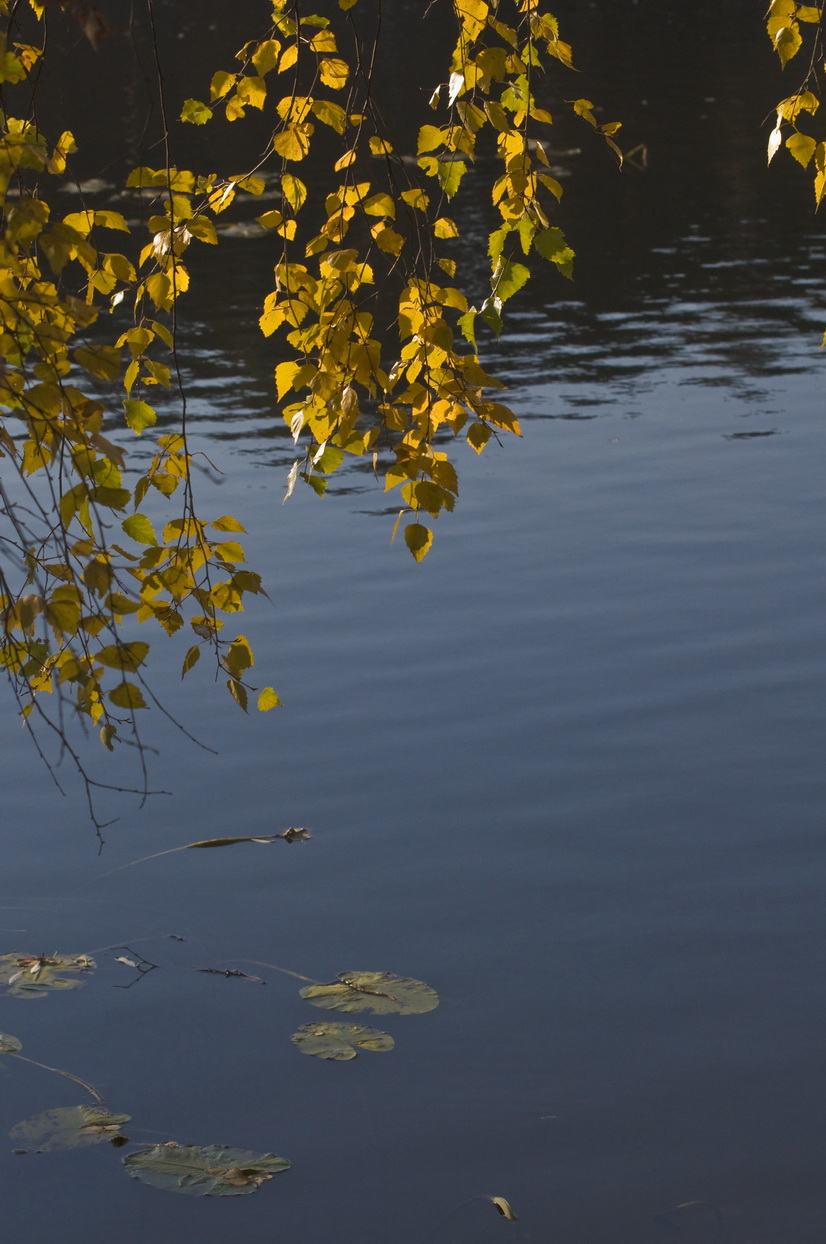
point(569, 771)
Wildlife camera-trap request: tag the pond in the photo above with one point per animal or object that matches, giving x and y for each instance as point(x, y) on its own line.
point(568, 771)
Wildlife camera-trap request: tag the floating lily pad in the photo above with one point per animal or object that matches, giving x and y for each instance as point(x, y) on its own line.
point(204, 1170)
point(9, 1045)
point(33, 976)
point(379, 992)
point(338, 1041)
point(68, 1127)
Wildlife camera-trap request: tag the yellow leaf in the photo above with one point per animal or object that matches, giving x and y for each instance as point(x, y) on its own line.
point(230, 551)
point(330, 113)
point(292, 143)
point(416, 198)
point(138, 415)
point(239, 656)
point(221, 83)
point(787, 42)
point(346, 160)
point(288, 58)
point(380, 146)
point(380, 205)
point(445, 228)
point(802, 147)
point(478, 436)
point(227, 523)
point(333, 72)
point(127, 695)
point(294, 191)
point(418, 539)
point(191, 658)
point(388, 240)
point(238, 692)
point(265, 56)
point(268, 699)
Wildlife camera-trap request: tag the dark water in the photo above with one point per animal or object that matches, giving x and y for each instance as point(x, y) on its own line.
point(569, 770)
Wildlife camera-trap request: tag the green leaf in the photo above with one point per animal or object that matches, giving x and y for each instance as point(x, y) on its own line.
point(204, 1170)
point(379, 992)
point(418, 539)
point(267, 699)
point(33, 976)
point(467, 325)
point(330, 460)
point(552, 245)
point(339, 1042)
point(139, 416)
point(69, 1127)
point(139, 528)
point(196, 112)
point(8, 1044)
point(508, 278)
point(450, 174)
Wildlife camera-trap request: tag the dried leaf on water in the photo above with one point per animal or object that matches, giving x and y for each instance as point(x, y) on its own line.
point(33, 976)
point(504, 1208)
point(9, 1044)
point(293, 834)
point(339, 1041)
point(204, 1170)
point(68, 1127)
point(379, 992)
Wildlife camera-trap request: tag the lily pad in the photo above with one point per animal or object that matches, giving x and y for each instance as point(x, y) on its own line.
point(68, 1127)
point(338, 1041)
point(8, 1044)
point(379, 992)
point(33, 976)
point(204, 1170)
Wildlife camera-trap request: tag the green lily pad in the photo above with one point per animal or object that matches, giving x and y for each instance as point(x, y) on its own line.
point(204, 1170)
point(68, 1127)
point(379, 992)
point(33, 976)
point(338, 1041)
point(8, 1044)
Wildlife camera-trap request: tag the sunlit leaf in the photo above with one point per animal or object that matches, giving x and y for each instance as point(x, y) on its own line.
point(139, 415)
point(204, 1170)
point(33, 976)
point(68, 1127)
point(140, 529)
point(196, 112)
point(379, 992)
point(339, 1042)
point(267, 699)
